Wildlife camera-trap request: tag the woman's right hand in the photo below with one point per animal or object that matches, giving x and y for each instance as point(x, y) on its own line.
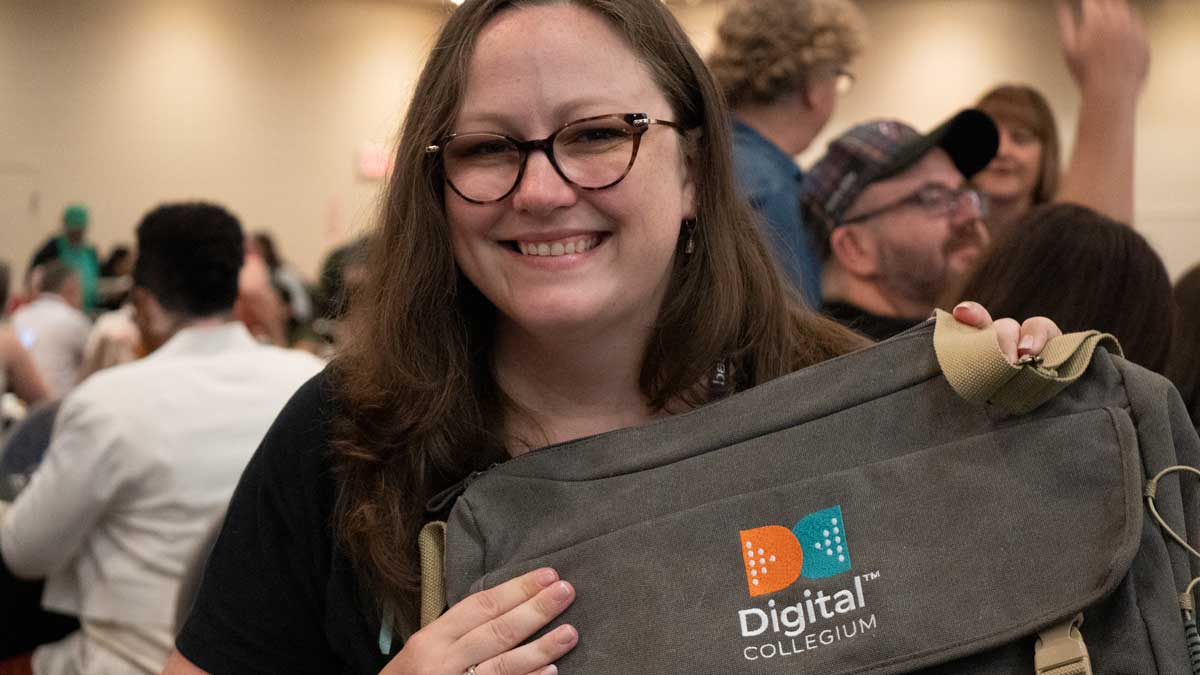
point(485, 629)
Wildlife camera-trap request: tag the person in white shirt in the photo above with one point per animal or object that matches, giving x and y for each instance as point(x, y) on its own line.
point(145, 456)
point(53, 328)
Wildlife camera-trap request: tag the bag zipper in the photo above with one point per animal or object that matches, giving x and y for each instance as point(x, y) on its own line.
point(441, 501)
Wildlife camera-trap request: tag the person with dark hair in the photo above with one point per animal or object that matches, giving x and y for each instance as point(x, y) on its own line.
point(144, 456)
point(782, 65)
point(1183, 366)
point(1084, 271)
point(897, 219)
point(342, 273)
point(112, 289)
point(53, 328)
point(563, 252)
point(1106, 51)
point(291, 287)
point(71, 248)
point(119, 262)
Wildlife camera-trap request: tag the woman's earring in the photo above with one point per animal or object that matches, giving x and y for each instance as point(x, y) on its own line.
point(690, 247)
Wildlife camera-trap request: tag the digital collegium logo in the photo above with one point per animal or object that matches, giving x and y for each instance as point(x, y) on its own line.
point(814, 548)
point(774, 557)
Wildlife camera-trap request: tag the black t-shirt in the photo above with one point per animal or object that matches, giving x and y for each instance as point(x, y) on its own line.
point(857, 319)
point(278, 596)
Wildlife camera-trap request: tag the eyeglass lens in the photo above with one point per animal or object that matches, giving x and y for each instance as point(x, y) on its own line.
point(591, 154)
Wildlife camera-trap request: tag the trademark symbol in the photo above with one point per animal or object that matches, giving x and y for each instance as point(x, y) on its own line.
point(870, 576)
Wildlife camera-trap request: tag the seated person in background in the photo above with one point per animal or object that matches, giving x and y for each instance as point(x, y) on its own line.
point(114, 340)
point(342, 274)
point(53, 328)
point(897, 220)
point(116, 277)
point(1083, 270)
point(144, 456)
point(782, 65)
point(18, 373)
point(1183, 366)
point(287, 280)
point(259, 305)
point(1108, 55)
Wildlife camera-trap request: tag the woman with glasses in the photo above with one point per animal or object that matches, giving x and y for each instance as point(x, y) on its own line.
point(562, 253)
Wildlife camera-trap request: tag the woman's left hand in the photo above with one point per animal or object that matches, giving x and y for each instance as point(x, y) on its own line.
point(1016, 339)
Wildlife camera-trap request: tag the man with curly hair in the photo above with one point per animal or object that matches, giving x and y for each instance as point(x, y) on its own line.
point(781, 65)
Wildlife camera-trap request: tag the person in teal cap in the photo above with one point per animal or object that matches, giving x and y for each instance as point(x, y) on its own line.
point(71, 248)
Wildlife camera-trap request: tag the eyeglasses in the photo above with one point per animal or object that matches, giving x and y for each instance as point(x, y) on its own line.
point(843, 81)
point(593, 153)
point(937, 201)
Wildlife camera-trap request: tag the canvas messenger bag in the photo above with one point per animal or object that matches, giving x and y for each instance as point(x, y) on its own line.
point(908, 508)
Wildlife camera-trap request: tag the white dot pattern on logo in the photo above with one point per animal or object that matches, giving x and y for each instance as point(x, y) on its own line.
point(841, 558)
point(817, 546)
point(749, 545)
point(752, 563)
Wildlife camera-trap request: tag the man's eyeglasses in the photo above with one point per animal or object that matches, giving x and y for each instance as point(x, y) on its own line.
point(937, 201)
point(592, 153)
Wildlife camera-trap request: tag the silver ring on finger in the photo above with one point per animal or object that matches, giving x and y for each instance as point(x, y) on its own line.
point(471, 670)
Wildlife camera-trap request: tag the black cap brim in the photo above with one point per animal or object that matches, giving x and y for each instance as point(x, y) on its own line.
point(970, 138)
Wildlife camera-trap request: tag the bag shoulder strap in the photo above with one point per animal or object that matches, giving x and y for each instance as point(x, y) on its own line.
point(432, 544)
point(972, 362)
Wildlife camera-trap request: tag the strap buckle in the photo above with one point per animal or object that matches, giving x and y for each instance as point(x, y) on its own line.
point(1060, 650)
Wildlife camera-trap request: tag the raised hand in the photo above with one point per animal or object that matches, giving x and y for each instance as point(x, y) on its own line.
point(1105, 46)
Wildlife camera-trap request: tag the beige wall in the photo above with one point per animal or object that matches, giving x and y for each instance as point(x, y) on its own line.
point(261, 105)
point(264, 104)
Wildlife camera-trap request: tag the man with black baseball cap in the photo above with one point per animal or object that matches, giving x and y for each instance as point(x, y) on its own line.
point(896, 218)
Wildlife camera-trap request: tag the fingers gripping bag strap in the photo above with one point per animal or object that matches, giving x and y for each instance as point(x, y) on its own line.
point(978, 371)
point(432, 543)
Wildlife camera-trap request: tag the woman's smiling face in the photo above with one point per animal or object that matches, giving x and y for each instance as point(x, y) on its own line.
point(533, 70)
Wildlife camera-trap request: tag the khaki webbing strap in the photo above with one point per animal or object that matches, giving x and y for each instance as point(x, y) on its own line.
point(976, 368)
point(1060, 650)
point(432, 543)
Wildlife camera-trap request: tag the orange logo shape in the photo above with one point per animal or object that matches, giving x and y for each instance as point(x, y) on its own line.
point(772, 558)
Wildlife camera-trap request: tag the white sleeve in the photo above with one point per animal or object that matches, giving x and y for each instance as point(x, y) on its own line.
point(71, 490)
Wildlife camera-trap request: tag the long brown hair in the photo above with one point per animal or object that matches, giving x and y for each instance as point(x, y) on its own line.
point(1085, 271)
point(1025, 106)
point(420, 407)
